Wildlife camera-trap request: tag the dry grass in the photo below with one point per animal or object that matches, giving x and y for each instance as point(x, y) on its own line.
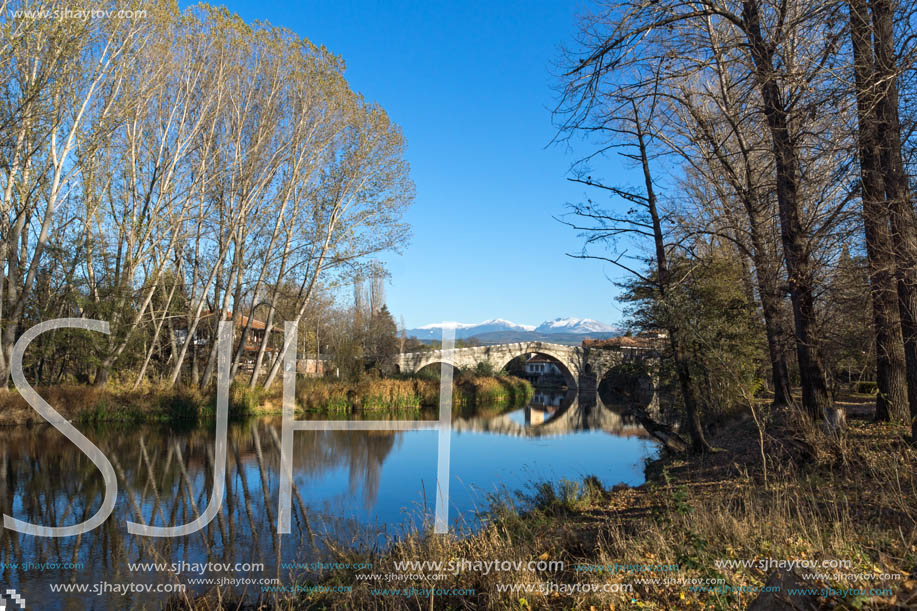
point(370, 395)
point(89, 404)
point(829, 498)
point(851, 499)
point(374, 395)
point(504, 390)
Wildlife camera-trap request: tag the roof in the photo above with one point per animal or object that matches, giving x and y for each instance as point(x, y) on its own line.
point(623, 341)
point(256, 324)
point(539, 359)
point(243, 322)
point(181, 322)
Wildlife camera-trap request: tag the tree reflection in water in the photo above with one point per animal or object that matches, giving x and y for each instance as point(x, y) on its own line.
point(165, 478)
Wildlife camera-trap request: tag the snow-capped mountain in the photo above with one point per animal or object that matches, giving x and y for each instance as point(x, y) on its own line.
point(498, 330)
point(465, 330)
point(574, 325)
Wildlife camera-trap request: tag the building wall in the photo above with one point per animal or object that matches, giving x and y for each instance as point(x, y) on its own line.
point(313, 368)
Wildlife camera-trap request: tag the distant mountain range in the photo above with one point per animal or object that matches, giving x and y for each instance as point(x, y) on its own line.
point(500, 331)
point(574, 325)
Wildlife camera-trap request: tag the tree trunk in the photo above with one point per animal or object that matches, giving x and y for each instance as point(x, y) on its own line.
point(699, 443)
point(904, 233)
point(772, 307)
point(235, 272)
point(767, 276)
point(156, 334)
point(891, 377)
point(815, 397)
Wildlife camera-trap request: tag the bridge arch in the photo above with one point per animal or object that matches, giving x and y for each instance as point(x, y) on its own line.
point(629, 383)
point(434, 367)
point(585, 367)
point(576, 416)
point(566, 371)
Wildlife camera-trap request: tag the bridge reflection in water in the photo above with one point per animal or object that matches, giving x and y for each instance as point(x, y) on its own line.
point(575, 412)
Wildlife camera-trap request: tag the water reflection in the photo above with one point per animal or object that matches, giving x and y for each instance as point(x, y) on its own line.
point(549, 398)
point(348, 486)
point(555, 413)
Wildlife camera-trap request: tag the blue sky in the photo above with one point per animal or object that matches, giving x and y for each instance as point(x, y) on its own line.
point(471, 85)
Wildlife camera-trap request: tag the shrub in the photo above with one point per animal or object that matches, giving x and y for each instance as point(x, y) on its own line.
point(374, 394)
point(318, 395)
point(243, 401)
point(427, 391)
point(567, 496)
point(484, 369)
point(866, 388)
point(182, 404)
point(388, 394)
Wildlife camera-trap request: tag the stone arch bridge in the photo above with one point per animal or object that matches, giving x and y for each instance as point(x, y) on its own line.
point(583, 366)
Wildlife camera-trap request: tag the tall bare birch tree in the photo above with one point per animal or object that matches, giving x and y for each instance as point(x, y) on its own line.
point(63, 78)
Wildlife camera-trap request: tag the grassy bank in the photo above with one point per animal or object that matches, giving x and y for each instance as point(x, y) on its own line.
point(87, 404)
point(850, 499)
point(183, 405)
point(400, 394)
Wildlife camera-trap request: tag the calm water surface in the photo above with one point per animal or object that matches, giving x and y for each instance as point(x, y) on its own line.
point(349, 486)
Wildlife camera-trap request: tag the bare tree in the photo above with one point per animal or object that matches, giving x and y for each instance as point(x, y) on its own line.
point(721, 142)
point(890, 356)
point(67, 75)
point(642, 221)
point(632, 47)
point(888, 212)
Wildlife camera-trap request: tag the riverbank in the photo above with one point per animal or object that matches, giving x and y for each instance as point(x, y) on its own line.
point(87, 404)
point(702, 533)
point(374, 395)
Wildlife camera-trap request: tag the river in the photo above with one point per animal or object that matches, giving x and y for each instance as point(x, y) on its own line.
point(360, 486)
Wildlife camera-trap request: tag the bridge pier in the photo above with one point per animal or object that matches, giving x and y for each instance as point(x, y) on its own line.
point(587, 389)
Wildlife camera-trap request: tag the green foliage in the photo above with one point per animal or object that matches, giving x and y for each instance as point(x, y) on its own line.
point(566, 496)
point(484, 369)
point(183, 404)
point(848, 346)
point(726, 346)
point(487, 391)
point(382, 338)
point(690, 554)
point(679, 501)
point(105, 410)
